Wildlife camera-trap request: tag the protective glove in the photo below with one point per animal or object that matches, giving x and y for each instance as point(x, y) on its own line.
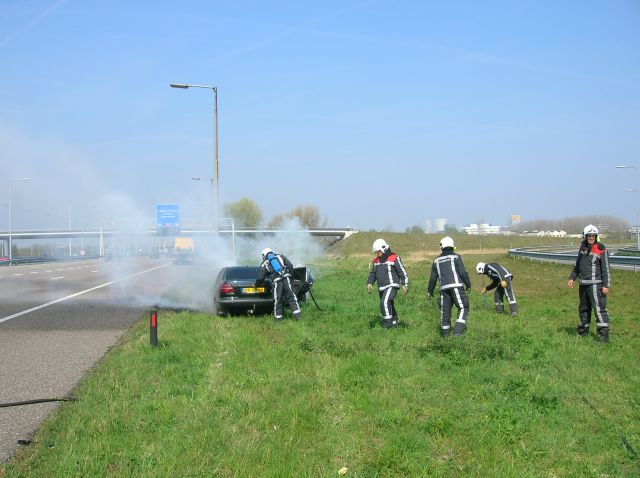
point(467, 288)
point(484, 290)
point(369, 288)
point(405, 289)
point(429, 296)
point(503, 284)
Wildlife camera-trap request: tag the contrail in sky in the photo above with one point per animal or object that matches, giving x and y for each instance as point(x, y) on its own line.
point(44, 14)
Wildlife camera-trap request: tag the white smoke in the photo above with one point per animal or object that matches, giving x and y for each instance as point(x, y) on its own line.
point(70, 190)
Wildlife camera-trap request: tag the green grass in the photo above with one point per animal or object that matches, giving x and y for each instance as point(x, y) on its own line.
point(245, 396)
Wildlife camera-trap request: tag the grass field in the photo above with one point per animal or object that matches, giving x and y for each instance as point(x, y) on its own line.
point(244, 396)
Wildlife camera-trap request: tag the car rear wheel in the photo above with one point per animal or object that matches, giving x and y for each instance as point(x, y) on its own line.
point(217, 310)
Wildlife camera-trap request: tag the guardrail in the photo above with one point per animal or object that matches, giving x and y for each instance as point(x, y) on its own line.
point(536, 254)
point(38, 259)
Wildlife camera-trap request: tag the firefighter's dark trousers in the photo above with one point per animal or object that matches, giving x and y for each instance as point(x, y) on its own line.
point(499, 295)
point(282, 292)
point(388, 307)
point(448, 298)
point(592, 298)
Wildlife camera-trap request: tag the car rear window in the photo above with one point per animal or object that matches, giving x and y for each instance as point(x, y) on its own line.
point(241, 273)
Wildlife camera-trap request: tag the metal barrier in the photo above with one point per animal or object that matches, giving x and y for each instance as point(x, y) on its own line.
point(38, 259)
point(542, 254)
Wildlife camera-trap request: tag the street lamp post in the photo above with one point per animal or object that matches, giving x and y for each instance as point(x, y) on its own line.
point(214, 89)
point(637, 191)
point(11, 216)
point(213, 198)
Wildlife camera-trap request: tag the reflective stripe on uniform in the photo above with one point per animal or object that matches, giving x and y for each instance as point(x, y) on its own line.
point(385, 304)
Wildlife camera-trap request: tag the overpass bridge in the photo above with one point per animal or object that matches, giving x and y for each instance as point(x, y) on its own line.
point(340, 233)
point(147, 236)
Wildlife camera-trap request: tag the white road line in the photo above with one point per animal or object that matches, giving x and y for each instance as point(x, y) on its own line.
point(16, 275)
point(48, 272)
point(34, 272)
point(38, 307)
point(95, 271)
point(56, 278)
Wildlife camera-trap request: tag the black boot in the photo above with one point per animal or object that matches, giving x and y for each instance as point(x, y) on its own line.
point(390, 323)
point(602, 336)
point(514, 310)
point(583, 331)
point(458, 329)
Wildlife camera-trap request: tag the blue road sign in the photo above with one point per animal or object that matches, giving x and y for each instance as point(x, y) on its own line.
point(167, 215)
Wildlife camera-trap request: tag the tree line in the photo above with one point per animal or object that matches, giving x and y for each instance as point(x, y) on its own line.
point(246, 213)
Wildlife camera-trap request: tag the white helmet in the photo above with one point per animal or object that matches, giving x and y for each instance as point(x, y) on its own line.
point(380, 245)
point(446, 242)
point(265, 251)
point(590, 229)
point(480, 267)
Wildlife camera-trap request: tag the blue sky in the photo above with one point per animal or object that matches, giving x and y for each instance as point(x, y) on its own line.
point(382, 114)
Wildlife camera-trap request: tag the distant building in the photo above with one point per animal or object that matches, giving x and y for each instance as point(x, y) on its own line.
point(547, 233)
point(428, 227)
point(433, 226)
point(439, 224)
point(478, 229)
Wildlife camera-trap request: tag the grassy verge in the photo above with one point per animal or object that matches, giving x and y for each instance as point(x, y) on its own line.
point(245, 396)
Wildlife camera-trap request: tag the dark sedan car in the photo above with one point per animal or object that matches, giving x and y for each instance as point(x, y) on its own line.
point(235, 292)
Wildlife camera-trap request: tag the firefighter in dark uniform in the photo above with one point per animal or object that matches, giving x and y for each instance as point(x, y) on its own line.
point(593, 271)
point(501, 281)
point(449, 268)
point(389, 272)
point(278, 268)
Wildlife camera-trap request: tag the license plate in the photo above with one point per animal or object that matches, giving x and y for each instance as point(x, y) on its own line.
point(253, 290)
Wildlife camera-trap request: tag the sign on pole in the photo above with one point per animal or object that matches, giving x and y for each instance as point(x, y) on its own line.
point(167, 218)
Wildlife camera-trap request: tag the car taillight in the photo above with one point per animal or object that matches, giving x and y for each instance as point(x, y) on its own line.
point(226, 288)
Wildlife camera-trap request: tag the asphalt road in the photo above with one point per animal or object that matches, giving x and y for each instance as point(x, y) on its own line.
point(57, 320)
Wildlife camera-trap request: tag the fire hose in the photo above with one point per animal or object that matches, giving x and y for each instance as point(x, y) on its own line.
point(314, 300)
point(38, 400)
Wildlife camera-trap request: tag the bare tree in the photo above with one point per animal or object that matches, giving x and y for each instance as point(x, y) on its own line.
point(309, 216)
point(276, 221)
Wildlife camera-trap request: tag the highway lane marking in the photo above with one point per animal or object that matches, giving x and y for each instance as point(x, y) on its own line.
point(34, 272)
point(56, 278)
point(38, 307)
point(16, 275)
